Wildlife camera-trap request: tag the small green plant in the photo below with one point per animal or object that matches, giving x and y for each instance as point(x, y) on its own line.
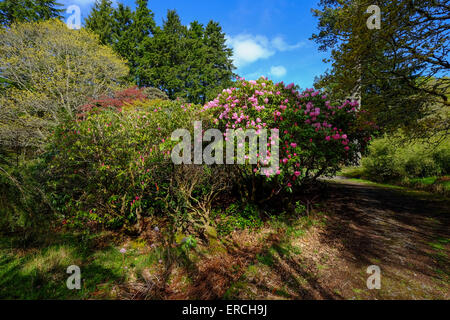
point(300, 208)
point(266, 259)
point(238, 216)
point(188, 243)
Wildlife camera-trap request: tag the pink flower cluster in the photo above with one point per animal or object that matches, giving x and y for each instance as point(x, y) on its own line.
point(262, 104)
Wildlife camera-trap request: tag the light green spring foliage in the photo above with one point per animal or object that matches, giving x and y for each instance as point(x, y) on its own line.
point(52, 70)
point(390, 159)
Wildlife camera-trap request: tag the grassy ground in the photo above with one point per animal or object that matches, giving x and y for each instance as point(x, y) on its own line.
point(321, 256)
point(440, 185)
point(38, 270)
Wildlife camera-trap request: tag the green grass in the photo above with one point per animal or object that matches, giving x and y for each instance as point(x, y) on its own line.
point(430, 184)
point(39, 272)
point(427, 188)
point(266, 258)
point(233, 291)
point(351, 172)
point(428, 181)
point(439, 247)
point(418, 194)
point(376, 184)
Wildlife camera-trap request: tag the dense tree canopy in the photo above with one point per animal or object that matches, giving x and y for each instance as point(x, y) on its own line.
point(399, 70)
point(28, 10)
point(189, 62)
point(100, 20)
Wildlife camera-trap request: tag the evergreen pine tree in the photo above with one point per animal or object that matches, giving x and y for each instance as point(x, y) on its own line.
point(100, 20)
point(123, 19)
point(192, 63)
point(28, 10)
point(162, 64)
point(195, 62)
point(219, 66)
point(142, 28)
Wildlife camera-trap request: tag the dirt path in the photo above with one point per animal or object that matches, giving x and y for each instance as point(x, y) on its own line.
point(406, 237)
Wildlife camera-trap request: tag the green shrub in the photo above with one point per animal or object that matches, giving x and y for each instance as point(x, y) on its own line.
point(23, 205)
point(155, 93)
point(380, 164)
point(441, 157)
point(417, 164)
point(114, 168)
point(390, 159)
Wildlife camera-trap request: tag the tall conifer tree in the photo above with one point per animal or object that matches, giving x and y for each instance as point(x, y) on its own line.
point(28, 10)
point(101, 21)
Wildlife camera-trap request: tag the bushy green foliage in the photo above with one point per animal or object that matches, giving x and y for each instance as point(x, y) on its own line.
point(155, 93)
point(380, 162)
point(23, 204)
point(390, 159)
point(442, 158)
point(47, 72)
point(112, 168)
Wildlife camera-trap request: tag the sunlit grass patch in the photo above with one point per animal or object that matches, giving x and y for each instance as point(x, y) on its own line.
point(40, 272)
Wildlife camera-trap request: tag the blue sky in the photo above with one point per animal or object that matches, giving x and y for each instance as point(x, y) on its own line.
point(269, 37)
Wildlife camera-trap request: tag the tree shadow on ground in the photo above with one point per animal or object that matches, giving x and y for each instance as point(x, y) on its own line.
point(389, 228)
point(41, 272)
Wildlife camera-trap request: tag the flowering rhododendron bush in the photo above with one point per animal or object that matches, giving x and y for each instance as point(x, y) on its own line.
point(316, 135)
point(113, 167)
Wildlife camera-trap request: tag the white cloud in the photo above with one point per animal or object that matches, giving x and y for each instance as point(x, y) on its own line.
point(249, 48)
point(281, 45)
point(278, 71)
